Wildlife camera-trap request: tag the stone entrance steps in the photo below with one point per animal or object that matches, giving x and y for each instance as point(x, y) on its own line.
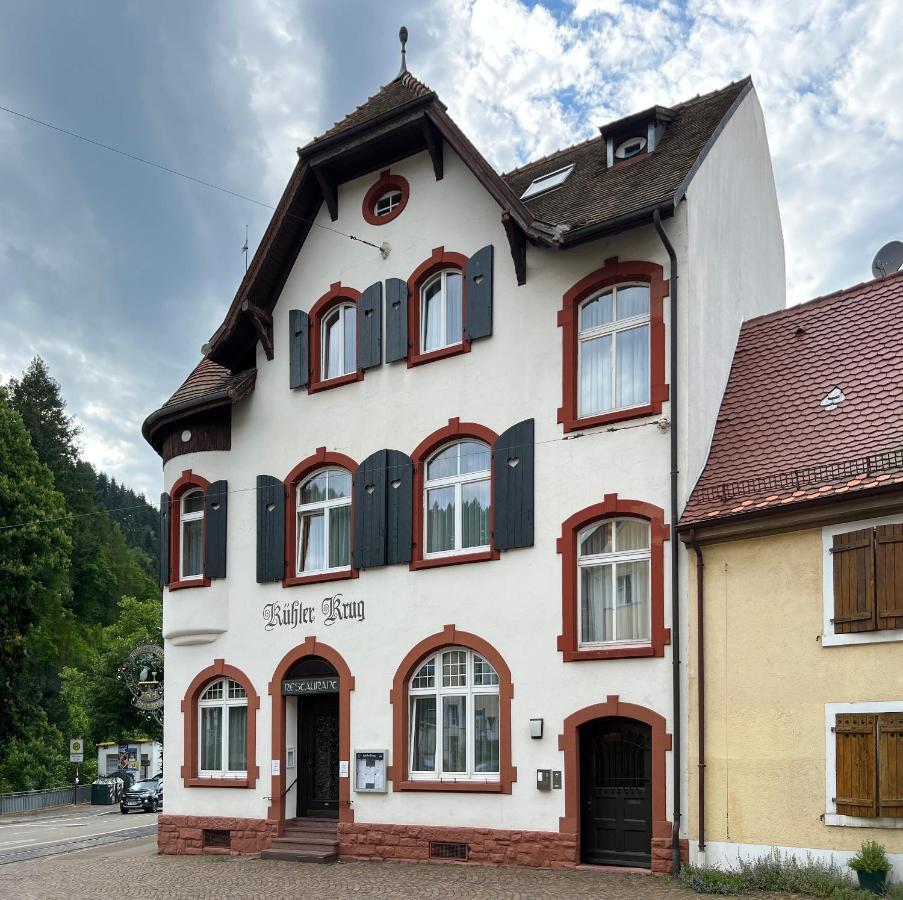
point(306, 840)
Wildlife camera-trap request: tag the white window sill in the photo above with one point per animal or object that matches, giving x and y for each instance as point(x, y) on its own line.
point(829, 639)
point(450, 779)
point(451, 554)
point(836, 820)
point(616, 645)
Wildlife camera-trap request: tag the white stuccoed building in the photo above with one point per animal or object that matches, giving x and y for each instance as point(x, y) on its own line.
point(417, 516)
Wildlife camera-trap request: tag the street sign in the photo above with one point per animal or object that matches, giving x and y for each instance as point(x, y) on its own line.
point(76, 750)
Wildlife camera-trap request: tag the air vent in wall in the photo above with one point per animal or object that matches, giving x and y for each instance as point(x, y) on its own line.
point(447, 850)
point(217, 838)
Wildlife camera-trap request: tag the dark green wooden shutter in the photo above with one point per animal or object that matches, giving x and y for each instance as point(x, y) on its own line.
point(215, 511)
point(270, 529)
point(399, 507)
point(478, 294)
point(165, 504)
point(512, 487)
point(370, 512)
point(396, 319)
point(370, 327)
point(854, 581)
point(299, 348)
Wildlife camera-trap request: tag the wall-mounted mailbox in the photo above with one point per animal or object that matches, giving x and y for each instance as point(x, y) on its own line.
point(556, 780)
point(544, 779)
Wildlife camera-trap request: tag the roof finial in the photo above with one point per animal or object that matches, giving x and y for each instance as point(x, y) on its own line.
point(403, 37)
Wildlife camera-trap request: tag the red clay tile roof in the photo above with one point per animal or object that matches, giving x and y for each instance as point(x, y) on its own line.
point(207, 377)
point(774, 443)
point(594, 193)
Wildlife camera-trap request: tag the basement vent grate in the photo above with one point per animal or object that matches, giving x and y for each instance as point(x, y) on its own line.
point(217, 838)
point(447, 850)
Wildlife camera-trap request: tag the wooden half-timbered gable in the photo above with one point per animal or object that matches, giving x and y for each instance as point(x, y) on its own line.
point(407, 612)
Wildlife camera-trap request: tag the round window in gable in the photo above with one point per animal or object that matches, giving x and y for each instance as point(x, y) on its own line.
point(386, 199)
point(630, 148)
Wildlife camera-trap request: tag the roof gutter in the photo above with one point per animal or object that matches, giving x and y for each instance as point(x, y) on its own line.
point(178, 410)
point(642, 216)
point(675, 555)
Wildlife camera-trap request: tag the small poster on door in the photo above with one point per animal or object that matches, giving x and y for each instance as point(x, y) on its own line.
point(370, 771)
point(343, 768)
point(275, 767)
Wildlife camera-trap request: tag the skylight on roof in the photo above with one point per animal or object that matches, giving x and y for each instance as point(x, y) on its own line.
point(547, 182)
point(833, 399)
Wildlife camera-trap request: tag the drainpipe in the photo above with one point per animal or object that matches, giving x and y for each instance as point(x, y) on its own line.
point(675, 556)
point(700, 685)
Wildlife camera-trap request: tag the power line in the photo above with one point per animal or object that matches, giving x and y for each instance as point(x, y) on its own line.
point(171, 171)
point(103, 510)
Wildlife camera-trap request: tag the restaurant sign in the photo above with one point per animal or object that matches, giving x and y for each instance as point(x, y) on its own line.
point(311, 684)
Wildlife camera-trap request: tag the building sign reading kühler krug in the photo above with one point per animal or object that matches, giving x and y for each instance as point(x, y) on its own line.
point(292, 613)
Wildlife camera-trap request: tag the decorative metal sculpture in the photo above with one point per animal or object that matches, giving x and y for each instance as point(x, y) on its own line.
point(142, 672)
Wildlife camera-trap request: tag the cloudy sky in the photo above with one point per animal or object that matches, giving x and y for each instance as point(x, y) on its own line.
point(116, 273)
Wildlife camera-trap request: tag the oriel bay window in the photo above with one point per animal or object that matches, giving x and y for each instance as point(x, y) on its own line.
point(613, 582)
point(323, 523)
point(223, 730)
point(454, 718)
point(457, 499)
point(441, 306)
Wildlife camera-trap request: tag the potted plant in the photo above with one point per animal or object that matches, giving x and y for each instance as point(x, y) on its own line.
point(871, 867)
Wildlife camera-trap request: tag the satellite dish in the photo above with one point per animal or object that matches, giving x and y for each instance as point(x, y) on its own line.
point(888, 259)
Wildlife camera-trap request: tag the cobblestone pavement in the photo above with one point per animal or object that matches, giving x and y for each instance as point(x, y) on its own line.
point(106, 874)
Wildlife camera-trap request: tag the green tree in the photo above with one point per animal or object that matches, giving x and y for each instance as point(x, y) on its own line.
point(34, 560)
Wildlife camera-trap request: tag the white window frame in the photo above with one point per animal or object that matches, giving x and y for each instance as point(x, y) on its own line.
point(612, 559)
point(832, 710)
point(612, 328)
point(326, 506)
point(184, 518)
point(225, 703)
point(456, 481)
point(324, 321)
point(468, 691)
point(390, 195)
point(828, 637)
point(443, 297)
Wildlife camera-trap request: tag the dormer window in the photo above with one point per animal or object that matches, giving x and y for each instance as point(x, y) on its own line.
point(631, 147)
point(547, 182)
point(386, 204)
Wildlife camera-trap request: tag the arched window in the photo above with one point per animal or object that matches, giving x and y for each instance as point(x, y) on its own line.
point(456, 499)
point(223, 730)
point(454, 718)
point(323, 523)
point(613, 352)
point(388, 202)
point(613, 562)
point(441, 311)
point(338, 354)
point(191, 535)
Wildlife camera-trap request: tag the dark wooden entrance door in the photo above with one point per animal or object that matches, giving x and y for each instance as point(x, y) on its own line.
point(318, 740)
point(616, 792)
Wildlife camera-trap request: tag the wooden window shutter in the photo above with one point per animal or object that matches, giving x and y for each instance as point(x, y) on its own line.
point(396, 319)
point(512, 487)
point(856, 764)
point(270, 529)
point(854, 581)
point(298, 348)
point(889, 575)
point(215, 510)
point(370, 512)
point(478, 294)
point(890, 764)
point(370, 327)
point(165, 511)
point(399, 507)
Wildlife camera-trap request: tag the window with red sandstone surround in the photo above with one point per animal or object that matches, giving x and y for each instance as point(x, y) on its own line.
point(613, 581)
point(613, 351)
point(186, 534)
point(436, 308)
point(386, 199)
point(333, 339)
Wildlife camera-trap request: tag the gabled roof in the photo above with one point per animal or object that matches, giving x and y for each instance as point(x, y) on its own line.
point(595, 194)
point(775, 444)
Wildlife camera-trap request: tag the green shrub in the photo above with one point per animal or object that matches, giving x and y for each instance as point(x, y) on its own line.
point(870, 858)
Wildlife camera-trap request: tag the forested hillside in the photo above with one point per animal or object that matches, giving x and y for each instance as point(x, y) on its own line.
point(77, 591)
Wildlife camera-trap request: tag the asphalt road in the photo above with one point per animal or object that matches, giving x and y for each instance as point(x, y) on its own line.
point(69, 829)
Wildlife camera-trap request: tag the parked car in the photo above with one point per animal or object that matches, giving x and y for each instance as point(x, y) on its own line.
point(146, 796)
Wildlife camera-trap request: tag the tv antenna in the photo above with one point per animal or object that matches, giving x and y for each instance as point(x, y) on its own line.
point(888, 260)
point(244, 248)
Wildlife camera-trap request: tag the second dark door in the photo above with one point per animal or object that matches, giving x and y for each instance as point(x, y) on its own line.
point(616, 792)
point(318, 759)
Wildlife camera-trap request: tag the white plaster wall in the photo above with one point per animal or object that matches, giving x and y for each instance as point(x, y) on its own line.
point(514, 603)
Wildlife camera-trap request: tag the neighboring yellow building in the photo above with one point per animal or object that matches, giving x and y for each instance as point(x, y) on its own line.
point(794, 535)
